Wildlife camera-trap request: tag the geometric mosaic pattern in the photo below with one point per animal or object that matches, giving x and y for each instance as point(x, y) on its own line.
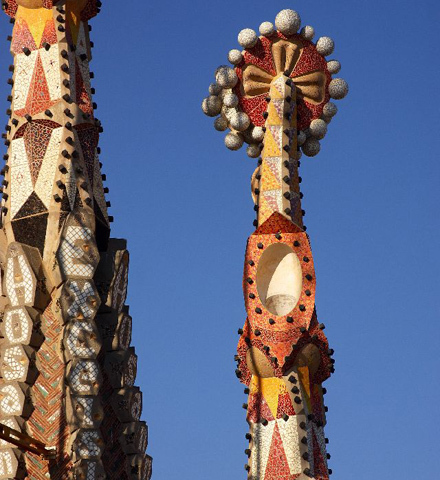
point(68, 370)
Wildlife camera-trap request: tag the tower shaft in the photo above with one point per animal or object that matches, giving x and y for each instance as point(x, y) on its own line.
point(67, 365)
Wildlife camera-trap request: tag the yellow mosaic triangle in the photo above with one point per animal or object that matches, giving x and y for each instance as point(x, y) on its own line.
point(270, 388)
point(36, 20)
point(268, 179)
point(271, 148)
point(303, 373)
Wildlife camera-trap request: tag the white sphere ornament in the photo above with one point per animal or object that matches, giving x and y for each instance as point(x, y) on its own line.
point(230, 100)
point(226, 77)
point(211, 106)
point(338, 88)
point(239, 121)
point(325, 46)
point(330, 109)
point(307, 32)
point(214, 89)
point(318, 128)
point(288, 22)
point(267, 29)
point(333, 66)
point(311, 147)
point(235, 57)
point(301, 138)
point(253, 150)
point(257, 134)
point(221, 124)
point(247, 38)
point(233, 141)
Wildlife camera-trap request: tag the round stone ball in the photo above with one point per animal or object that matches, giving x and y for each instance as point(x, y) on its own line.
point(214, 89)
point(311, 147)
point(333, 66)
point(338, 88)
point(307, 32)
point(239, 121)
point(211, 106)
point(325, 46)
point(221, 124)
point(288, 22)
point(267, 29)
point(235, 57)
point(230, 100)
point(318, 128)
point(257, 134)
point(301, 138)
point(247, 38)
point(253, 150)
point(226, 77)
point(330, 109)
point(233, 141)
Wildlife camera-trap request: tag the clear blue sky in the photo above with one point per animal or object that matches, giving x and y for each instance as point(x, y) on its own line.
point(183, 201)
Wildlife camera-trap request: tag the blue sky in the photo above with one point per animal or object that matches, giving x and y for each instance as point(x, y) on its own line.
point(183, 201)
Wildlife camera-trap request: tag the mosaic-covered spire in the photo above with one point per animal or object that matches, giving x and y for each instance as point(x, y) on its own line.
point(277, 99)
point(67, 365)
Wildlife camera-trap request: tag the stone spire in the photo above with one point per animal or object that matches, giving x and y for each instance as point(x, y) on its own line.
point(277, 99)
point(68, 368)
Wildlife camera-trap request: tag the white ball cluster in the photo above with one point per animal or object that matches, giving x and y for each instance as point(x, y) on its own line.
point(233, 141)
point(230, 100)
point(235, 56)
point(239, 121)
point(211, 106)
point(338, 88)
point(214, 89)
point(221, 124)
point(253, 150)
point(257, 134)
point(288, 22)
point(311, 147)
point(330, 109)
point(307, 32)
point(247, 38)
point(333, 66)
point(267, 29)
point(226, 77)
point(318, 129)
point(325, 46)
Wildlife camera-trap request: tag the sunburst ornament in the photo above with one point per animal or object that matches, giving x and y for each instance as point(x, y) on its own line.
point(238, 98)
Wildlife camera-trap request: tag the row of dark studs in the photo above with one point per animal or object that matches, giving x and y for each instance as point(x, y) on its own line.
point(48, 113)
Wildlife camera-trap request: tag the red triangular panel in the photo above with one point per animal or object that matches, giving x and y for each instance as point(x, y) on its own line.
point(277, 466)
point(277, 223)
point(82, 97)
point(22, 37)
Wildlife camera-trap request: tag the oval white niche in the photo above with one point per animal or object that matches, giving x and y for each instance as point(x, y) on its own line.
point(279, 279)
